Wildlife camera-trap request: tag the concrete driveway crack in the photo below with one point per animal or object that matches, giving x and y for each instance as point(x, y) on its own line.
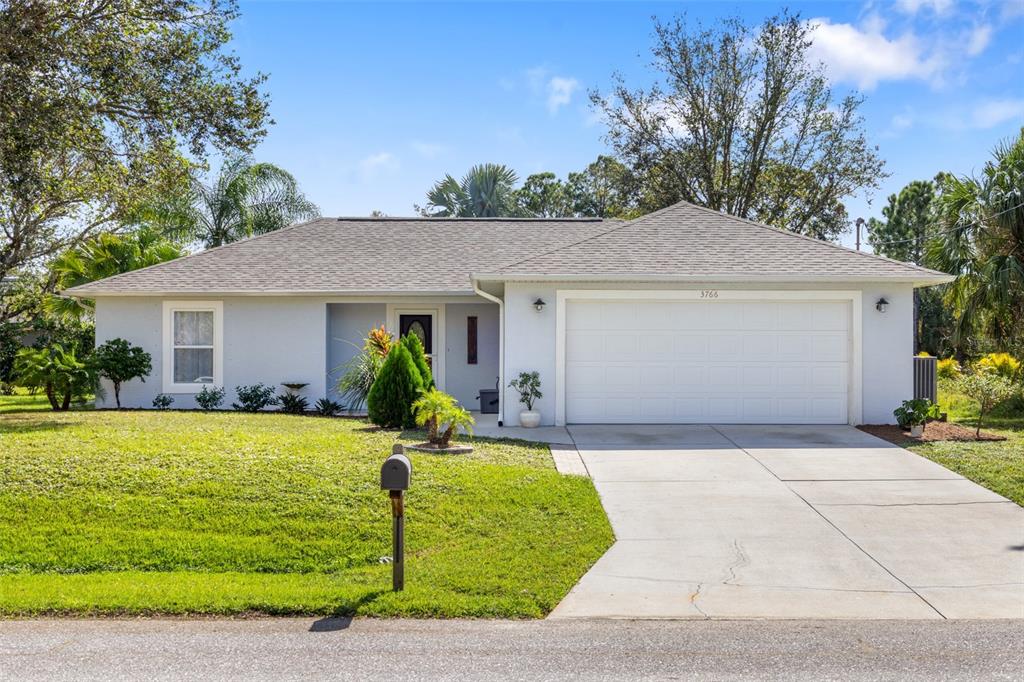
point(741, 560)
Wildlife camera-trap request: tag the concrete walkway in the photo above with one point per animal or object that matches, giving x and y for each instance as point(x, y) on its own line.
point(791, 522)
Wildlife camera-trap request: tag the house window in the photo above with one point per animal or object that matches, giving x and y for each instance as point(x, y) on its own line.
point(471, 339)
point(192, 345)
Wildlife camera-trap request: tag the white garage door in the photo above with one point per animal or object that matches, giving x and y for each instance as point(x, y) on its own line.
point(756, 362)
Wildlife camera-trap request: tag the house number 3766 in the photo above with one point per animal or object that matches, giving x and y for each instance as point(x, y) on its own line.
point(708, 293)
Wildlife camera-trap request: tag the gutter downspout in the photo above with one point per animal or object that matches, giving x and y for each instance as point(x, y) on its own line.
point(501, 348)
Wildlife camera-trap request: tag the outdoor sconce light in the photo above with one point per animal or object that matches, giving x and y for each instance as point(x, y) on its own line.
point(881, 305)
point(539, 304)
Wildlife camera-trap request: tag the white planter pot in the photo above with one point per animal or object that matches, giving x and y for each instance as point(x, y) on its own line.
point(529, 419)
point(917, 430)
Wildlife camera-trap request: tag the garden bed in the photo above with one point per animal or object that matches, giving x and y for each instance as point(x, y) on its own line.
point(934, 432)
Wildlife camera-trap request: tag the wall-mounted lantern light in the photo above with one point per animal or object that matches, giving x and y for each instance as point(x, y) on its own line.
point(881, 305)
point(539, 304)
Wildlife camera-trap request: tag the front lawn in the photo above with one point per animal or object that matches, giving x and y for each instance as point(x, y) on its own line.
point(999, 466)
point(226, 513)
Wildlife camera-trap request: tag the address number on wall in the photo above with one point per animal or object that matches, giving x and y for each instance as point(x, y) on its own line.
point(709, 293)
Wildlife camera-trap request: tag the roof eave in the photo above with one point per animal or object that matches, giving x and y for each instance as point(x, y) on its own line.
point(917, 279)
point(113, 293)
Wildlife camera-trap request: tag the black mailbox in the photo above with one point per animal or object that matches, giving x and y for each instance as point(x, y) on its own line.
point(396, 473)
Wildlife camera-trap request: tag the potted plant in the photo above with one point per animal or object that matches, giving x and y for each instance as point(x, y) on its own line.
point(913, 414)
point(527, 384)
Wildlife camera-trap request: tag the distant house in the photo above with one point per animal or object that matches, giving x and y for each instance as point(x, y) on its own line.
point(683, 315)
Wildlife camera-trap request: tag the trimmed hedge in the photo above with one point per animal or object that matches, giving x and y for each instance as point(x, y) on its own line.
point(419, 358)
point(396, 388)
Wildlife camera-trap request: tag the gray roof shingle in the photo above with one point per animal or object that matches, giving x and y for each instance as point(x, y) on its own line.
point(691, 242)
point(439, 255)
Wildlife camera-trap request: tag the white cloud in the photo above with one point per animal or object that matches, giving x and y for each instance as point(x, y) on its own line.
point(993, 112)
point(915, 6)
point(979, 39)
point(866, 57)
point(375, 164)
point(1011, 9)
point(429, 150)
point(560, 92)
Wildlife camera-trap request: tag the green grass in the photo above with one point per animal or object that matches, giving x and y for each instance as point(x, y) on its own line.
point(225, 513)
point(23, 401)
point(999, 466)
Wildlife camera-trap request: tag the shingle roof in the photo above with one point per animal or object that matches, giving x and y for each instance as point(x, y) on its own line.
point(354, 255)
point(690, 242)
point(439, 255)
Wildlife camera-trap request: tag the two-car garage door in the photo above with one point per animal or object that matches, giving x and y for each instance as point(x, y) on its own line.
point(699, 361)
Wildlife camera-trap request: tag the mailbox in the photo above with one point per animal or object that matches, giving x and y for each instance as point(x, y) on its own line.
point(396, 473)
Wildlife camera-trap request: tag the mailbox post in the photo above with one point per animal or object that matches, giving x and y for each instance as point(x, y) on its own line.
point(395, 476)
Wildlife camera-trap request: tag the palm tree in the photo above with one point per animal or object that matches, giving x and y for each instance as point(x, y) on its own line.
point(105, 255)
point(245, 199)
point(486, 191)
point(981, 241)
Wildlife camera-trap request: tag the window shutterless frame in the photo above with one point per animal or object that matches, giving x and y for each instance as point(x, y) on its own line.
point(169, 310)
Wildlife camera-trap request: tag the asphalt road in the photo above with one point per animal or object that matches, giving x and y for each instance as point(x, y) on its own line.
point(486, 650)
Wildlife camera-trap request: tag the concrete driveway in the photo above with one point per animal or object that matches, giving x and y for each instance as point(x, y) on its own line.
point(791, 522)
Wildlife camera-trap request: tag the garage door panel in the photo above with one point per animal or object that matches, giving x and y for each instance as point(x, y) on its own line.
point(707, 361)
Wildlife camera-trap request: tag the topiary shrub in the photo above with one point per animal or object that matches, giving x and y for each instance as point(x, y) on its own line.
point(419, 358)
point(254, 398)
point(120, 361)
point(396, 388)
point(210, 398)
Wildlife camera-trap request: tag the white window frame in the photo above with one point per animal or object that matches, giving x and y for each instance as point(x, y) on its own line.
point(171, 307)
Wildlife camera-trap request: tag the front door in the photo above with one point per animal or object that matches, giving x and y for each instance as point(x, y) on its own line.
point(422, 325)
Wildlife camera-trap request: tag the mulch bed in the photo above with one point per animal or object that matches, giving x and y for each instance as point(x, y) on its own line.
point(933, 432)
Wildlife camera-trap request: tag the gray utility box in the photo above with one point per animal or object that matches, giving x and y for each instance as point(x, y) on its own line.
point(488, 401)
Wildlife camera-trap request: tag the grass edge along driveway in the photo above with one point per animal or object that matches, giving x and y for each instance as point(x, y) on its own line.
point(125, 513)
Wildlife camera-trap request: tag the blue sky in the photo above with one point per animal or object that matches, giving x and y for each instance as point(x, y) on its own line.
point(374, 102)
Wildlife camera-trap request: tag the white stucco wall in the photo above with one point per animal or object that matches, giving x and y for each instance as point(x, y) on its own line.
point(463, 380)
point(266, 340)
point(887, 341)
point(274, 339)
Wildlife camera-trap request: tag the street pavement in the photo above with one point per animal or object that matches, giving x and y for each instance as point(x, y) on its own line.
point(305, 648)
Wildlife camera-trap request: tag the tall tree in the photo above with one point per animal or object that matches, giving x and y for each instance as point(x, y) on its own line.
point(743, 121)
point(105, 255)
point(981, 241)
point(604, 189)
point(910, 220)
point(486, 191)
point(96, 97)
point(245, 199)
point(543, 195)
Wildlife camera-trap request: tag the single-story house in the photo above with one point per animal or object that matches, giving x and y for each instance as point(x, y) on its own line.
point(683, 315)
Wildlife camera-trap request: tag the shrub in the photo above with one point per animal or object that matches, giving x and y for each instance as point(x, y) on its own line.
point(397, 386)
point(292, 403)
point(210, 398)
point(915, 412)
point(419, 358)
point(6, 388)
point(57, 371)
point(948, 368)
point(162, 401)
point(527, 384)
point(361, 371)
point(442, 416)
point(1003, 364)
point(119, 361)
point(254, 398)
point(988, 388)
point(326, 407)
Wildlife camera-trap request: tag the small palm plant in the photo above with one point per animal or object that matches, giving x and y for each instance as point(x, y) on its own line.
point(442, 416)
